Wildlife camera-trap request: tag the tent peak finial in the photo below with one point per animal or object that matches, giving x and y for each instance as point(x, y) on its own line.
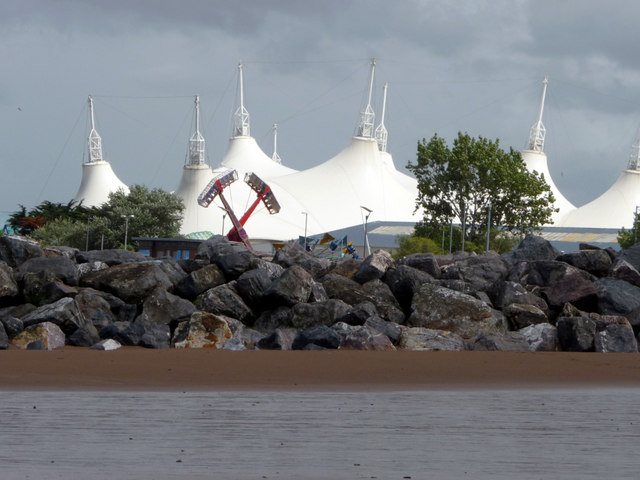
point(196, 142)
point(367, 116)
point(275, 157)
point(381, 132)
point(95, 141)
point(241, 121)
point(634, 158)
point(538, 132)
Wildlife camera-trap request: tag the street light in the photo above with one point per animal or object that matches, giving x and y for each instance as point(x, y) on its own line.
point(224, 215)
point(488, 226)
point(366, 239)
point(86, 248)
point(306, 217)
point(464, 222)
point(451, 236)
point(635, 226)
point(126, 227)
point(489, 217)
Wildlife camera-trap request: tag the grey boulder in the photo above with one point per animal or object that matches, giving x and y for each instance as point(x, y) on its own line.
point(374, 266)
point(420, 338)
point(440, 308)
point(131, 282)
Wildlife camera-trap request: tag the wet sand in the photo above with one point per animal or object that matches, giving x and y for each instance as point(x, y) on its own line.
point(187, 370)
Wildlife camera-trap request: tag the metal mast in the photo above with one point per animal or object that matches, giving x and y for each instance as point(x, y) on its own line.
point(241, 120)
point(536, 136)
point(275, 157)
point(367, 117)
point(95, 141)
point(196, 142)
point(634, 159)
point(381, 131)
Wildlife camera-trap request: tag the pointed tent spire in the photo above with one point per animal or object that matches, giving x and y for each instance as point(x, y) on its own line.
point(95, 141)
point(634, 159)
point(241, 120)
point(381, 131)
point(536, 136)
point(196, 142)
point(367, 117)
point(275, 157)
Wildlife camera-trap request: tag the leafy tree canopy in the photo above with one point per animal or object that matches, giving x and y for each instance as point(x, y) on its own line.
point(464, 183)
point(628, 238)
point(156, 213)
point(25, 222)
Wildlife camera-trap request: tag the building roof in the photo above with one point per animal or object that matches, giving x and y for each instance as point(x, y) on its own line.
point(98, 178)
point(335, 192)
point(195, 218)
point(537, 161)
point(613, 209)
point(359, 181)
point(98, 181)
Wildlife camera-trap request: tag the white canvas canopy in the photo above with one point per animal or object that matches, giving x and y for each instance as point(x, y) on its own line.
point(195, 218)
point(360, 180)
point(98, 178)
point(195, 176)
point(331, 196)
point(537, 161)
point(244, 155)
point(98, 181)
point(334, 192)
point(613, 209)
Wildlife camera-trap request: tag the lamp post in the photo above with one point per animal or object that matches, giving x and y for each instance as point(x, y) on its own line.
point(126, 227)
point(86, 246)
point(488, 226)
point(306, 217)
point(224, 215)
point(464, 224)
point(635, 226)
point(367, 250)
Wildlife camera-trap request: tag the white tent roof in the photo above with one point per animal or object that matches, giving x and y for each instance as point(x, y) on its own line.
point(613, 209)
point(195, 218)
point(333, 193)
point(98, 181)
point(537, 161)
point(244, 155)
point(328, 197)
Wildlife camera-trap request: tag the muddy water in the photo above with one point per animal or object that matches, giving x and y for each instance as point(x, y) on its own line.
point(475, 434)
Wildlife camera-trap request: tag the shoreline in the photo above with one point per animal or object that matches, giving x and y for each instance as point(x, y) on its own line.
point(139, 369)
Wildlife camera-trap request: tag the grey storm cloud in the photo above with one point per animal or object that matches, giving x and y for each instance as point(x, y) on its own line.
point(472, 66)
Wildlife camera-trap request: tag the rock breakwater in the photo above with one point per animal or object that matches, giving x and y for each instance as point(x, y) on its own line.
point(531, 299)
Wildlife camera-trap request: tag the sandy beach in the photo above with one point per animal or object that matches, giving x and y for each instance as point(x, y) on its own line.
point(182, 369)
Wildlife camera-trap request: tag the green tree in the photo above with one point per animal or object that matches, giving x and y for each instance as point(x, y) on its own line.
point(73, 233)
point(408, 244)
point(15, 219)
point(474, 177)
point(628, 238)
point(50, 211)
point(26, 222)
point(156, 213)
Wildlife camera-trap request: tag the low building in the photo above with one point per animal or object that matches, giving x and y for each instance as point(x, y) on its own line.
point(178, 248)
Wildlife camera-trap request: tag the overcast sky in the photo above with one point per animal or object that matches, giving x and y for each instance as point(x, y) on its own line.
point(470, 66)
